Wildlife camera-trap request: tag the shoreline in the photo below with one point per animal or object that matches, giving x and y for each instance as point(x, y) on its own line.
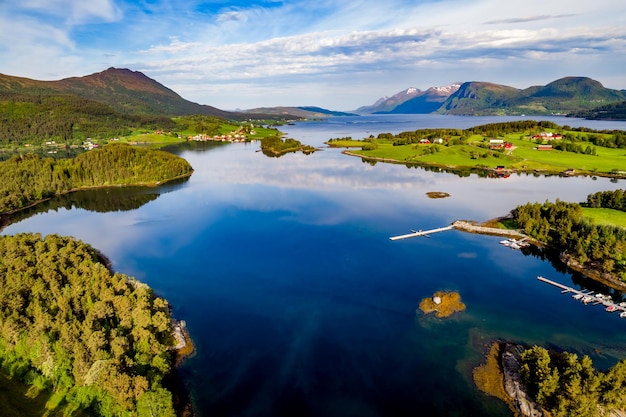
point(593, 274)
point(96, 187)
point(580, 173)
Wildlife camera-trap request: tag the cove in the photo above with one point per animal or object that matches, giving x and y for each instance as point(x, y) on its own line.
point(298, 302)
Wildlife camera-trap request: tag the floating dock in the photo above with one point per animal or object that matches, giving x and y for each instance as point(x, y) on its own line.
point(426, 233)
point(588, 297)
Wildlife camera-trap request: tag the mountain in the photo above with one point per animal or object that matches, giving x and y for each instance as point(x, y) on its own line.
point(386, 104)
point(411, 101)
point(124, 90)
point(563, 96)
point(473, 98)
point(427, 101)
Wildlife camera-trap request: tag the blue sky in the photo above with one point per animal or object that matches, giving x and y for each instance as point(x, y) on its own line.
point(339, 54)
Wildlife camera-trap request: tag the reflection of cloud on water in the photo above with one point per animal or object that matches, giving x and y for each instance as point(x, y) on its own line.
point(467, 255)
point(353, 186)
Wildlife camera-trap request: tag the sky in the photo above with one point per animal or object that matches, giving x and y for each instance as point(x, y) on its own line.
point(335, 54)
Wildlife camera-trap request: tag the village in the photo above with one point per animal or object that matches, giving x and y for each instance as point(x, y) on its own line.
point(235, 136)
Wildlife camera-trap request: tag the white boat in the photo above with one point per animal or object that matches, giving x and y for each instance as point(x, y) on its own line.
point(623, 314)
point(587, 299)
point(577, 296)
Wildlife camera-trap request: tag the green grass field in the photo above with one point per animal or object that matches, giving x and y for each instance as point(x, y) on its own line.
point(605, 216)
point(475, 153)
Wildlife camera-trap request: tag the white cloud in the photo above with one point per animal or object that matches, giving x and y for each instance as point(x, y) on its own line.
point(72, 10)
point(342, 52)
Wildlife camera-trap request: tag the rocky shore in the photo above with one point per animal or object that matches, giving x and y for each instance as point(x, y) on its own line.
point(499, 377)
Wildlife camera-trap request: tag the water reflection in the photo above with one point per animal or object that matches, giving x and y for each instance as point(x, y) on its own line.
point(101, 200)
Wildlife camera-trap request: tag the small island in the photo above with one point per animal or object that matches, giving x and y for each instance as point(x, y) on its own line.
point(443, 304)
point(274, 146)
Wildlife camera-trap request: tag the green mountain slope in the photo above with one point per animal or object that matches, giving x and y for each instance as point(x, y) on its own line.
point(124, 90)
point(35, 118)
point(615, 111)
point(563, 96)
point(479, 98)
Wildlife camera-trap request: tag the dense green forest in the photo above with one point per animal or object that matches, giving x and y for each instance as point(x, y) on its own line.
point(562, 225)
point(98, 341)
point(65, 118)
point(569, 386)
point(25, 179)
point(615, 200)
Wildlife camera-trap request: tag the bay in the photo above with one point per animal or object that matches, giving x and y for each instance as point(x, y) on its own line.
point(298, 302)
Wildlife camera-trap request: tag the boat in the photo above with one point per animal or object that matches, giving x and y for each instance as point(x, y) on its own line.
point(578, 296)
point(623, 314)
point(587, 299)
point(611, 308)
point(505, 242)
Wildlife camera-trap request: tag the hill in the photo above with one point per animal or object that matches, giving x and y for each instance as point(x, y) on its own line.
point(126, 92)
point(563, 96)
point(35, 118)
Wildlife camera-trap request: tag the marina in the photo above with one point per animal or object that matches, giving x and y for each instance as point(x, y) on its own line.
point(588, 297)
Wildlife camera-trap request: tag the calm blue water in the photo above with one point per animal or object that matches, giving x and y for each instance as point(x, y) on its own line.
point(300, 305)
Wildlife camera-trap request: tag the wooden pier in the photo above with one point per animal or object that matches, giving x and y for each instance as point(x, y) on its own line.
point(426, 233)
point(588, 297)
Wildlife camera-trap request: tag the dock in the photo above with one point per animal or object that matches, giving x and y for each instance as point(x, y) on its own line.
point(426, 233)
point(588, 297)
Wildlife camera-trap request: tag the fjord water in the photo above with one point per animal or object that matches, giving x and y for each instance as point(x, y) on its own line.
point(300, 305)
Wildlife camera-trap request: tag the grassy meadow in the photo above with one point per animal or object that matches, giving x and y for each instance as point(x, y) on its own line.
point(605, 216)
point(474, 152)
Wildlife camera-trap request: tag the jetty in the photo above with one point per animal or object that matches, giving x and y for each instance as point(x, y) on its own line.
point(588, 297)
point(425, 233)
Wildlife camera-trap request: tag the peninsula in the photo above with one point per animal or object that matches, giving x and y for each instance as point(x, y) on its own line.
point(28, 179)
point(85, 337)
point(500, 149)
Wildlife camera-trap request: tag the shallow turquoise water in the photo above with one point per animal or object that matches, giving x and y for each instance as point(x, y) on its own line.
point(298, 302)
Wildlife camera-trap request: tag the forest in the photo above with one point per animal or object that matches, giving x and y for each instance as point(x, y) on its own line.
point(562, 225)
point(26, 179)
point(569, 386)
point(97, 340)
point(65, 118)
